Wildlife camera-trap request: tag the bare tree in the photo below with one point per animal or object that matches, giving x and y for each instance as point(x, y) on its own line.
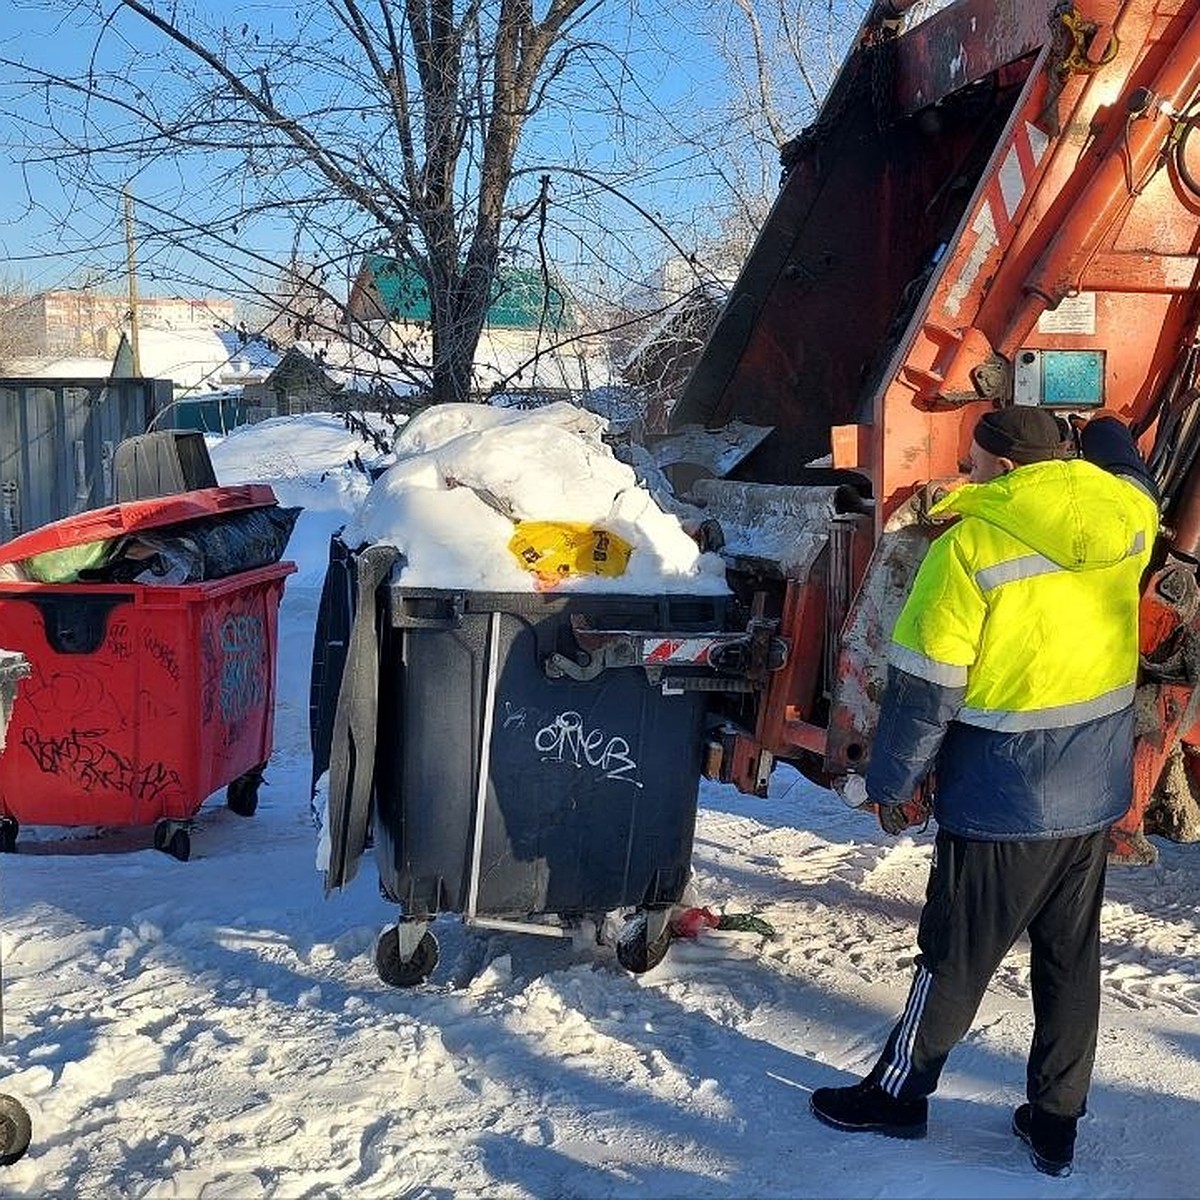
point(780, 58)
point(318, 134)
point(297, 306)
point(383, 125)
point(18, 337)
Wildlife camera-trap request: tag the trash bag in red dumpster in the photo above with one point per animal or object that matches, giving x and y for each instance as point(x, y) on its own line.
point(198, 549)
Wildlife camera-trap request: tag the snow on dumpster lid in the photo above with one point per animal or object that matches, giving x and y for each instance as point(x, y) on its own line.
point(467, 475)
point(101, 524)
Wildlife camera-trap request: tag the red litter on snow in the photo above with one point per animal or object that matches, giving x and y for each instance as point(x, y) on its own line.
point(691, 921)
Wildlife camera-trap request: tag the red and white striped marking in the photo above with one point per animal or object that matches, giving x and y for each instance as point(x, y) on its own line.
point(1002, 196)
point(691, 650)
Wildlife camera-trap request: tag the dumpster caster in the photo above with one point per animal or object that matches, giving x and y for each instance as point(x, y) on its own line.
point(644, 940)
point(8, 835)
point(172, 838)
point(241, 796)
point(410, 964)
point(15, 1130)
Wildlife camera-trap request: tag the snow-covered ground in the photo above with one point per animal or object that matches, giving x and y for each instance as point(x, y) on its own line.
point(216, 1028)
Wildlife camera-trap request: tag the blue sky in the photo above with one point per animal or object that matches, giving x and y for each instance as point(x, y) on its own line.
point(73, 237)
point(35, 246)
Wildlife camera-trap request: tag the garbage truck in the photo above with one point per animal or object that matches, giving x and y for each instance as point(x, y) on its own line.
point(996, 205)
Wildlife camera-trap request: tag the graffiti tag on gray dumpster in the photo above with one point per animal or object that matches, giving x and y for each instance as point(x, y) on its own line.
point(566, 739)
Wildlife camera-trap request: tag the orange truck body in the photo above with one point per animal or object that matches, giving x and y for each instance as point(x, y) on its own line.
point(999, 205)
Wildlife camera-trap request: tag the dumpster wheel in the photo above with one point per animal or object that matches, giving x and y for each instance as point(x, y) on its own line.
point(8, 835)
point(15, 1130)
point(397, 972)
point(241, 796)
point(635, 951)
point(173, 838)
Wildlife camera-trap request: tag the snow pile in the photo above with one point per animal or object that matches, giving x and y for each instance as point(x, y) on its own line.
point(312, 462)
point(466, 473)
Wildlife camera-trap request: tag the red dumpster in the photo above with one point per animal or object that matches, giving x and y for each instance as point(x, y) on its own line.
point(142, 699)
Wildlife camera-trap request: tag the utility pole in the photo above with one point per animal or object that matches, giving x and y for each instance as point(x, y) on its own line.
point(131, 269)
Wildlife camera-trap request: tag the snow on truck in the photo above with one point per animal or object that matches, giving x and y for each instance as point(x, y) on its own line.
point(998, 206)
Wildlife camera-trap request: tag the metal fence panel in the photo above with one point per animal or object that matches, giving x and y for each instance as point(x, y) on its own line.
point(56, 442)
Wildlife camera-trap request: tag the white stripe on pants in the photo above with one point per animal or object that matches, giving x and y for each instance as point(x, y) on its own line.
point(896, 1071)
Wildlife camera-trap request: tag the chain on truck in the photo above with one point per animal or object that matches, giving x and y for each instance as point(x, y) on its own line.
point(997, 205)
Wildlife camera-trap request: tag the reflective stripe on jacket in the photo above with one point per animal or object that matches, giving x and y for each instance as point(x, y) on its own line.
point(1014, 660)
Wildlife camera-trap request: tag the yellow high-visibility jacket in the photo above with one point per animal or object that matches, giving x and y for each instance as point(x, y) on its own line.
point(1014, 660)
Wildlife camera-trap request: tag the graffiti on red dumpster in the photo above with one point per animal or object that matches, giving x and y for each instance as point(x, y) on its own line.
point(162, 653)
point(566, 739)
point(60, 697)
point(243, 665)
point(82, 757)
point(209, 672)
point(118, 643)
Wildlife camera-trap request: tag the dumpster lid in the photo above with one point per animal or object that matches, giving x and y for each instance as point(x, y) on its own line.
point(101, 524)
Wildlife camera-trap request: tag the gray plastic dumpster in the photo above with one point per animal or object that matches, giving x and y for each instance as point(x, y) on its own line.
point(500, 791)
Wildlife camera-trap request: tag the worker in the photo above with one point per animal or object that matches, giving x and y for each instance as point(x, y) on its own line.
point(1011, 679)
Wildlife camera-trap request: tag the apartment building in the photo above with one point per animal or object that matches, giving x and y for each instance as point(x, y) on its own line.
point(80, 321)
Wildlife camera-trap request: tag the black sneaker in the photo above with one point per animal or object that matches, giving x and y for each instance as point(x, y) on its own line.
point(1051, 1139)
point(866, 1108)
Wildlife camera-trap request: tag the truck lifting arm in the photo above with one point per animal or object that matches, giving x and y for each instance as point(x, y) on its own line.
point(997, 206)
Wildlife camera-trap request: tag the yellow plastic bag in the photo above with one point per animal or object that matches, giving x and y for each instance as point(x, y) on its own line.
point(556, 550)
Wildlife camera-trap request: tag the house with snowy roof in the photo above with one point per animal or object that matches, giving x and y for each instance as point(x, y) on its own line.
point(196, 361)
point(523, 346)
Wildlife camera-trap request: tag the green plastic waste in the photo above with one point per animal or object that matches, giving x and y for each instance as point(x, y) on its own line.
point(63, 566)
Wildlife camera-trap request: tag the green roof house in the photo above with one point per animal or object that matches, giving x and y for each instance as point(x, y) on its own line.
point(388, 289)
point(521, 347)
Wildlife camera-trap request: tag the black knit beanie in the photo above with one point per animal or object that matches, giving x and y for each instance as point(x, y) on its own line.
point(1025, 435)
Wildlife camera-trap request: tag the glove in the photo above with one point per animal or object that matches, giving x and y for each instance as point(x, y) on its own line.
point(892, 818)
point(895, 818)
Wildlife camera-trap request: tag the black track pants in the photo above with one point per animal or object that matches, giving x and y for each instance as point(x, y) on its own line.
point(981, 897)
